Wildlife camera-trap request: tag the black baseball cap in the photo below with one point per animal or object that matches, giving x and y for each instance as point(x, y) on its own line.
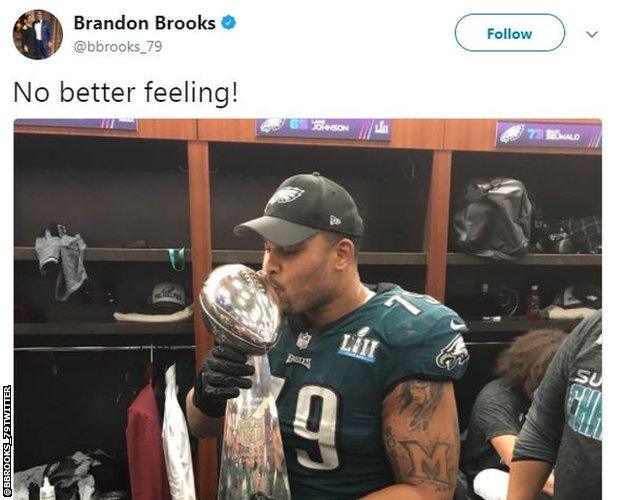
point(302, 206)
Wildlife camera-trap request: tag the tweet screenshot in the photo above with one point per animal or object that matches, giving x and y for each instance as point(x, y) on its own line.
point(311, 250)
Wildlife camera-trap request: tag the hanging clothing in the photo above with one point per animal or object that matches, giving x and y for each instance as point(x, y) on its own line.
point(72, 273)
point(176, 443)
point(146, 460)
point(57, 249)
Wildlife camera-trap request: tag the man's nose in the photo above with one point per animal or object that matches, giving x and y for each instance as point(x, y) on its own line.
point(271, 263)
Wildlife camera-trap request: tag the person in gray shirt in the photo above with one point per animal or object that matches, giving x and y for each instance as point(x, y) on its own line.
point(564, 424)
point(501, 408)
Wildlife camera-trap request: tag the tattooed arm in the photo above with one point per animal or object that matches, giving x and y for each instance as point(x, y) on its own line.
point(421, 437)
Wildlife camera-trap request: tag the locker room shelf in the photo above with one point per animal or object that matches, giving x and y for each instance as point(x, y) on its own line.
point(120, 328)
point(460, 259)
point(365, 258)
point(509, 325)
point(519, 325)
point(220, 256)
point(110, 254)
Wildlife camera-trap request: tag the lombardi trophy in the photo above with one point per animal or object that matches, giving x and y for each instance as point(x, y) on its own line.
point(242, 312)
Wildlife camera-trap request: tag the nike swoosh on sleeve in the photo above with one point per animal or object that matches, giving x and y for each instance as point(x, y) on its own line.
point(458, 326)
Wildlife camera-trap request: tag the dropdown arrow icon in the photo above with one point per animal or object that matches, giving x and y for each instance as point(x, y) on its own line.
point(592, 35)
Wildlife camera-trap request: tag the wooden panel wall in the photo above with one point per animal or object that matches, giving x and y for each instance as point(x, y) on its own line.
point(456, 134)
point(147, 129)
point(199, 198)
point(438, 224)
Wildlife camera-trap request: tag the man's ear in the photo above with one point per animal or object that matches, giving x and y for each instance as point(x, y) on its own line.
point(345, 254)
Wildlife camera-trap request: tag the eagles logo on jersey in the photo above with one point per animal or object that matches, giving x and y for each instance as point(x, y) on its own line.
point(454, 354)
point(330, 406)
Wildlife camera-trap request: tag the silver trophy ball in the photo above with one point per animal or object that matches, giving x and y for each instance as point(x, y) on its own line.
point(241, 309)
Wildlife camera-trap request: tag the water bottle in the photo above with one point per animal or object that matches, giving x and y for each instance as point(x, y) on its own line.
point(533, 303)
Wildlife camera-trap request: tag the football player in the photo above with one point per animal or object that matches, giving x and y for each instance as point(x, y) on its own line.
point(363, 374)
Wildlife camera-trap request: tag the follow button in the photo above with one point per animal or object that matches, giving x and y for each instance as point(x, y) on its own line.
point(509, 32)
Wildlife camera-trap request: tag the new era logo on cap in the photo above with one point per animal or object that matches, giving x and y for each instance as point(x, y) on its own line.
point(334, 221)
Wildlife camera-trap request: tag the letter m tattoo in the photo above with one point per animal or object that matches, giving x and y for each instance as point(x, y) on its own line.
point(428, 463)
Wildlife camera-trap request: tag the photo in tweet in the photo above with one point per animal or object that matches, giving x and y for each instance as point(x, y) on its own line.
point(390, 281)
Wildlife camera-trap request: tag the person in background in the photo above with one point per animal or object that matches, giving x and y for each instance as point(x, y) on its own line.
point(43, 33)
point(29, 40)
point(564, 425)
point(500, 409)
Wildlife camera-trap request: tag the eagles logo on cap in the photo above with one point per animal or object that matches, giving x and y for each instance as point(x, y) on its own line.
point(326, 206)
point(285, 195)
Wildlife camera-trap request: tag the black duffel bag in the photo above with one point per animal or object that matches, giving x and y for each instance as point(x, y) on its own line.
point(493, 219)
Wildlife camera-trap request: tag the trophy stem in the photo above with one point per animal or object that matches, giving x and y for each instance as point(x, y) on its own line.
point(252, 456)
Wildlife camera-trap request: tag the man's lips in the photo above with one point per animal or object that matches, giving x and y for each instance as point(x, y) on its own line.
point(277, 288)
point(274, 287)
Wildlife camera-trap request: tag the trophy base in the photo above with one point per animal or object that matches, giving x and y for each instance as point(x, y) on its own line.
point(252, 457)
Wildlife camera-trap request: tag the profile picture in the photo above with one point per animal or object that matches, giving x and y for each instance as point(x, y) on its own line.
point(37, 34)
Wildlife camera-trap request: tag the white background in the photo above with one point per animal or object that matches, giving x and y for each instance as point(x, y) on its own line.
point(345, 58)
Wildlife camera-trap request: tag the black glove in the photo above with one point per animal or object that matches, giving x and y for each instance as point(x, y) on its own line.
point(220, 379)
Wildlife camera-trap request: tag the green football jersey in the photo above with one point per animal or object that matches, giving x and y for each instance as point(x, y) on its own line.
point(330, 383)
